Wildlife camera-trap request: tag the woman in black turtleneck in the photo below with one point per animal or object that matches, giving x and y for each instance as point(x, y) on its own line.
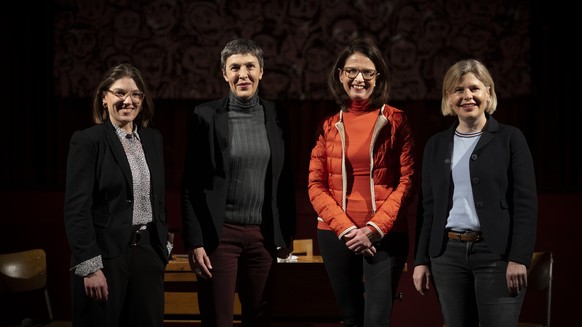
point(238, 202)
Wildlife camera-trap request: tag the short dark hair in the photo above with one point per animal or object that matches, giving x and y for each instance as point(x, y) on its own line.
point(241, 46)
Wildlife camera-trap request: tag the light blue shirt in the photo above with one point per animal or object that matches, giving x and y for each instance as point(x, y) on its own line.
point(463, 216)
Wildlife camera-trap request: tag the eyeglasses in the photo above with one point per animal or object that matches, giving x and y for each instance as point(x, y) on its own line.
point(352, 72)
point(122, 94)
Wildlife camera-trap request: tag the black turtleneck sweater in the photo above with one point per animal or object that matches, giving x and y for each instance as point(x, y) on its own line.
point(249, 158)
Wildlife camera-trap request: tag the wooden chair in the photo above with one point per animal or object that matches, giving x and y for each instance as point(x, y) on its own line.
point(539, 282)
point(303, 247)
point(23, 283)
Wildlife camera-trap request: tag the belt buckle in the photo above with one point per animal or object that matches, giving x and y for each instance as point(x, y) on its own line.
point(459, 236)
point(137, 234)
point(474, 236)
point(135, 238)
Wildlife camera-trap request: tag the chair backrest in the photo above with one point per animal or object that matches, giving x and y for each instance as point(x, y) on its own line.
point(23, 272)
point(540, 271)
point(539, 278)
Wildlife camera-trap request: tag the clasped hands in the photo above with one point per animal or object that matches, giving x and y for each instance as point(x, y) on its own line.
point(359, 241)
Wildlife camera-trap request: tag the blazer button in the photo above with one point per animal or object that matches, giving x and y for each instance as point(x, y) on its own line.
point(447, 161)
point(479, 204)
point(476, 180)
point(473, 157)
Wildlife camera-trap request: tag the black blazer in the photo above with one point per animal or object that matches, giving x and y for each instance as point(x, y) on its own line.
point(504, 191)
point(99, 193)
point(204, 183)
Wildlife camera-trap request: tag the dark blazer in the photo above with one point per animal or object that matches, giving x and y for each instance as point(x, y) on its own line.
point(204, 183)
point(504, 191)
point(99, 193)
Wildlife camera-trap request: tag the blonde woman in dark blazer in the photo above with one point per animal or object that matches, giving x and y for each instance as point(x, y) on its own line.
point(477, 225)
point(115, 209)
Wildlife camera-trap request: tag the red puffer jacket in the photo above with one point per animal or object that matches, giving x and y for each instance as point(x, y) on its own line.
point(393, 180)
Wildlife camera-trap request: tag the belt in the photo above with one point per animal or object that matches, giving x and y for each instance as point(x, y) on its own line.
point(140, 227)
point(468, 236)
point(136, 237)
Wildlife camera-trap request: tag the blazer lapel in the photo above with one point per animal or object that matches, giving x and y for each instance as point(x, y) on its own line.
point(118, 152)
point(490, 130)
point(221, 136)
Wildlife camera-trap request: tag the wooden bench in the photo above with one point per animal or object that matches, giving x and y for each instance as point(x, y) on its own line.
point(181, 298)
point(303, 293)
point(303, 276)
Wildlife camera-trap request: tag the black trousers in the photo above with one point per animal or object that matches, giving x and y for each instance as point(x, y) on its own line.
point(135, 281)
point(364, 287)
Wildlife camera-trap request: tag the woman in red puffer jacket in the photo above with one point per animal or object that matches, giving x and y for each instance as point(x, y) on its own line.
point(361, 178)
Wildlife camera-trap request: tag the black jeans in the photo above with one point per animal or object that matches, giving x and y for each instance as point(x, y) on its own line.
point(353, 276)
point(471, 286)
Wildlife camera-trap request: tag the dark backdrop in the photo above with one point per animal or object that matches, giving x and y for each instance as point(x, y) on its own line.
point(54, 53)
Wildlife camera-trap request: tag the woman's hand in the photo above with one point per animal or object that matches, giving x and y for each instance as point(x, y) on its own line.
point(96, 286)
point(359, 241)
point(516, 276)
point(421, 278)
point(200, 262)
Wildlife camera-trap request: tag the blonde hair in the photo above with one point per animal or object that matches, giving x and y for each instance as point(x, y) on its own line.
point(454, 75)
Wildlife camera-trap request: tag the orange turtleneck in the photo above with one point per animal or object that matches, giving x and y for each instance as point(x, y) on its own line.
point(359, 123)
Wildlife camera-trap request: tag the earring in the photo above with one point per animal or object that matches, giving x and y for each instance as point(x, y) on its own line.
point(105, 105)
